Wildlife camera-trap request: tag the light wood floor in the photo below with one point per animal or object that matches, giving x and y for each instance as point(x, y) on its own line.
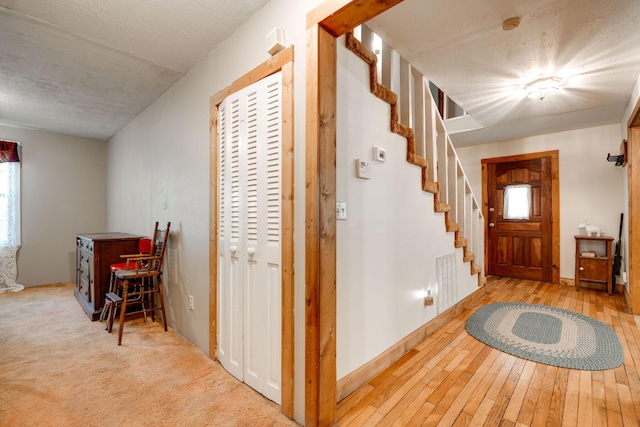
point(451, 379)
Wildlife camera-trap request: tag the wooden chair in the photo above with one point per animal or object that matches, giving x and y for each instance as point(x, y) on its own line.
point(136, 288)
point(145, 246)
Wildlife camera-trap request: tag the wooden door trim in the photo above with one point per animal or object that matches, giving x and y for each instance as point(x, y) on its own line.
point(633, 221)
point(283, 61)
point(329, 20)
point(320, 244)
point(555, 204)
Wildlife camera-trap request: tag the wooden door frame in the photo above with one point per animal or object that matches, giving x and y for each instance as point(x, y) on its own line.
point(331, 19)
point(633, 177)
point(283, 61)
point(555, 205)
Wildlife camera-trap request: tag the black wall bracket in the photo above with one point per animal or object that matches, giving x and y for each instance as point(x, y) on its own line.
point(621, 158)
point(618, 159)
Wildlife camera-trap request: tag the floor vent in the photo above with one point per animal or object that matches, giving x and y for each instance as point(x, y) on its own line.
point(447, 288)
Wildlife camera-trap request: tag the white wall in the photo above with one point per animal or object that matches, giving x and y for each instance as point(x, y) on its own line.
point(590, 187)
point(164, 153)
point(633, 99)
point(386, 248)
point(63, 187)
point(635, 95)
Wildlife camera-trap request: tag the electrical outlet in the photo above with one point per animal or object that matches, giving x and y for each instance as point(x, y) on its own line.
point(191, 302)
point(428, 298)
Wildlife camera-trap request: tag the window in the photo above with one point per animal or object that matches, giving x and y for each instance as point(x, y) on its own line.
point(10, 204)
point(9, 215)
point(517, 201)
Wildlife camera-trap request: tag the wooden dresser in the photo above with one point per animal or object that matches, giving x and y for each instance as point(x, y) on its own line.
point(94, 255)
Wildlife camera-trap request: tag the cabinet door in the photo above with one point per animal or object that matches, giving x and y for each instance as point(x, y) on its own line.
point(594, 269)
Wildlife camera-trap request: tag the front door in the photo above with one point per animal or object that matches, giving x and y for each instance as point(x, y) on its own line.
point(519, 217)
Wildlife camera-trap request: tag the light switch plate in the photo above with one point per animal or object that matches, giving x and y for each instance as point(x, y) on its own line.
point(341, 210)
point(363, 169)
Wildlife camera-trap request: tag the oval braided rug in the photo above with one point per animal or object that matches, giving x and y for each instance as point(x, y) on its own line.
point(549, 335)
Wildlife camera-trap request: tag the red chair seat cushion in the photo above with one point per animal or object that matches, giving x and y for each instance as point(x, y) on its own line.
point(122, 266)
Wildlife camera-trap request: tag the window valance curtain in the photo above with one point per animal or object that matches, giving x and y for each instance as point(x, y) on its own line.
point(9, 152)
point(9, 215)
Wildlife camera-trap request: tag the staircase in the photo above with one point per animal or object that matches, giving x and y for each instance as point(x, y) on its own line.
point(414, 116)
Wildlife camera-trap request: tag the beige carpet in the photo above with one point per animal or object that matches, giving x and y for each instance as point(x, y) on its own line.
point(57, 368)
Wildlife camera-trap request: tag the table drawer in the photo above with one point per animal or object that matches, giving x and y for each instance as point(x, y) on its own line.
point(85, 245)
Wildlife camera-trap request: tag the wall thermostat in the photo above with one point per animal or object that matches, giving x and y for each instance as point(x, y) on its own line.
point(379, 154)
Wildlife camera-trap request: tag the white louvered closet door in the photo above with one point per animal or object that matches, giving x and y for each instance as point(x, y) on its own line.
point(249, 237)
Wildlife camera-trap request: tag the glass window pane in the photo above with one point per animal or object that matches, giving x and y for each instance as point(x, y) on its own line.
point(517, 201)
point(10, 204)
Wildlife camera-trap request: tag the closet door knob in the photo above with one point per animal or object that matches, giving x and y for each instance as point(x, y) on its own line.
point(251, 251)
point(233, 249)
point(491, 224)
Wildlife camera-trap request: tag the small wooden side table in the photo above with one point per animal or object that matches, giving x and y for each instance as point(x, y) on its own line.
point(594, 262)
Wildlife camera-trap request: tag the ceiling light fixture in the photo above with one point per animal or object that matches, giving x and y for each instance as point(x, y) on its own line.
point(542, 87)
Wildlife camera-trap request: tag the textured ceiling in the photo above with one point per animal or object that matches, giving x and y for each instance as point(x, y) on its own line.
point(461, 47)
point(87, 67)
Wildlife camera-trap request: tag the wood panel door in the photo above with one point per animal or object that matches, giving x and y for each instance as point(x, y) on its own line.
point(520, 243)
